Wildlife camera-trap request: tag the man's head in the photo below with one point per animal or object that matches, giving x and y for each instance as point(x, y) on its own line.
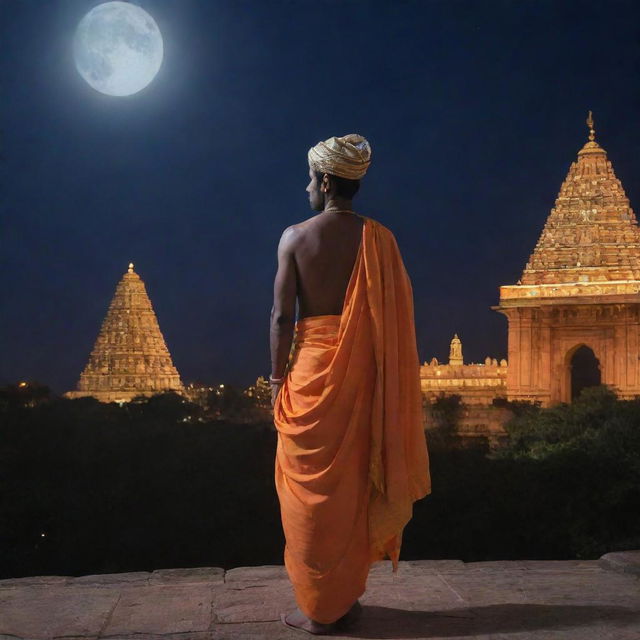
point(324, 186)
point(335, 168)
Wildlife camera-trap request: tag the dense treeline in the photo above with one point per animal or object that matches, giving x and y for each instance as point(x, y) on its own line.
point(565, 485)
point(88, 488)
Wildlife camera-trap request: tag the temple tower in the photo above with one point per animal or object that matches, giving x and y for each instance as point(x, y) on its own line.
point(574, 317)
point(455, 352)
point(130, 357)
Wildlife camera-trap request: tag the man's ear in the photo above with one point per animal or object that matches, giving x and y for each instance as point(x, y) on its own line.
point(326, 183)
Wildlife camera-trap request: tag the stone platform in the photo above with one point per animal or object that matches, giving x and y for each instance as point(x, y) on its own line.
point(449, 599)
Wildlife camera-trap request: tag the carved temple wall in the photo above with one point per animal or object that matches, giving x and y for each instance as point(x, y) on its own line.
point(542, 341)
point(579, 289)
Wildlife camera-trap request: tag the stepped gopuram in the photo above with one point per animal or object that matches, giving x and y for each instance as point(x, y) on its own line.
point(130, 357)
point(574, 317)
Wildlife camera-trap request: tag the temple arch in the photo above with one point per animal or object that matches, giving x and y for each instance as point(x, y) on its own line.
point(579, 288)
point(583, 370)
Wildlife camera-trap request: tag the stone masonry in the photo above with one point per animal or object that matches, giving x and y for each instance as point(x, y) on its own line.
point(434, 599)
point(580, 289)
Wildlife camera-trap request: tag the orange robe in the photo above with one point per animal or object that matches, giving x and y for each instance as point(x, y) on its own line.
point(351, 456)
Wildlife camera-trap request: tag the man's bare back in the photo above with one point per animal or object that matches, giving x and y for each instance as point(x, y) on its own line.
point(315, 262)
point(325, 251)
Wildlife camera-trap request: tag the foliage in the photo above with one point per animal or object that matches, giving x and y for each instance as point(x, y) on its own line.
point(231, 404)
point(169, 406)
point(24, 394)
point(87, 487)
point(584, 459)
point(445, 412)
point(517, 407)
point(594, 420)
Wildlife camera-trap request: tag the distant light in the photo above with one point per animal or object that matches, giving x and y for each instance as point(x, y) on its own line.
point(42, 535)
point(222, 386)
point(23, 384)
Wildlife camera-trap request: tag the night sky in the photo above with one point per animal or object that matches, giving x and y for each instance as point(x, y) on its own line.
point(474, 111)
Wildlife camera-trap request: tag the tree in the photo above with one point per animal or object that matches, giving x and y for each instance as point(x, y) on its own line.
point(445, 412)
point(24, 394)
point(584, 465)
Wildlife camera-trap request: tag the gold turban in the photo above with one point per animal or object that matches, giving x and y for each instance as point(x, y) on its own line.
point(347, 156)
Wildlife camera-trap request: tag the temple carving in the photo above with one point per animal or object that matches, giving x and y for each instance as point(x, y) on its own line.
point(455, 351)
point(574, 317)
point(130, 357)
point(476, 384)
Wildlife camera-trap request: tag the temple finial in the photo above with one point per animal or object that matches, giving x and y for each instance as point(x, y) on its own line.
point(130, 270)
point(590, 123)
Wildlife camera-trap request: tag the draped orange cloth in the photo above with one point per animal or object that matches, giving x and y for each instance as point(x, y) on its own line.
point(352, 455)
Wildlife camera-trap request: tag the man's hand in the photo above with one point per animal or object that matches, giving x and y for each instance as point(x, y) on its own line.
point(275, 389)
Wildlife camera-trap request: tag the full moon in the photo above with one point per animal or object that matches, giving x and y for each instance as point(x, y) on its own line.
point(118, 48)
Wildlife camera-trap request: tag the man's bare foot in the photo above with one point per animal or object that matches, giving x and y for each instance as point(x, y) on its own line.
point(297, 620)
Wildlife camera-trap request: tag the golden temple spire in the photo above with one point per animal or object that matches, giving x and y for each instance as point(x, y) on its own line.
point(591, 147)
point(130, 357)
point(590, 123)
point(591, 234)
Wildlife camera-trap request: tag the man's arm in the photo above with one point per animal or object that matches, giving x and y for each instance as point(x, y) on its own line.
point(284, 304)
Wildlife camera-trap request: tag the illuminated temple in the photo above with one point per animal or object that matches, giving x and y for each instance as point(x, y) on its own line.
point(477, 385)
point(130, 357)
point(574, 316)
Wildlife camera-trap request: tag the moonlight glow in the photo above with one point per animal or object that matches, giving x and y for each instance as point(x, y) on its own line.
point(118, 48)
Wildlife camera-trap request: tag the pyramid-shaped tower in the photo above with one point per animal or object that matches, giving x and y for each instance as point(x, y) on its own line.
point(580, 290)
point(591, 234)
point(130, 357)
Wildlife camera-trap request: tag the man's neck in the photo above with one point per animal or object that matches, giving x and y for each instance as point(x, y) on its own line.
point(337, 203)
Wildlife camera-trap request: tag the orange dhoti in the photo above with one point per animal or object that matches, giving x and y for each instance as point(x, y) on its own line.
point(351, 456)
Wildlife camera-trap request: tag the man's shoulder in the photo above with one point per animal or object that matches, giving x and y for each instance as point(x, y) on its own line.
point(293, 234)
point(300, 227)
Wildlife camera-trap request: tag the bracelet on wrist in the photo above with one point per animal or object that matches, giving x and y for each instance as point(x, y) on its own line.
point(273, 380)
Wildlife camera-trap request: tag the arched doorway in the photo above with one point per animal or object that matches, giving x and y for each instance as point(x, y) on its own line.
point(585, 370)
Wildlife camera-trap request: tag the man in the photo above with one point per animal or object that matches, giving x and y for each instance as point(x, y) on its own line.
point(351, 456)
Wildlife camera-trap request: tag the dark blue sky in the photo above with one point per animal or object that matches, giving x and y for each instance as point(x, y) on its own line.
point(474, 111)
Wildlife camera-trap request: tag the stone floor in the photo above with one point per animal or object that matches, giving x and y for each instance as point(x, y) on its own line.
point(585, 600)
